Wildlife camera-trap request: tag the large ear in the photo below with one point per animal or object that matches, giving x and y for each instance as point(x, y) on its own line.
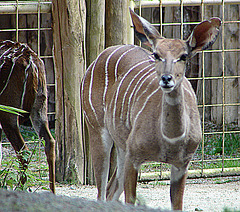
point(145, 32)
point(204, 35)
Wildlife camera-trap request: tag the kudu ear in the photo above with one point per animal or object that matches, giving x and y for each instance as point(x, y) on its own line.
point(204, 35)
point(145, 32)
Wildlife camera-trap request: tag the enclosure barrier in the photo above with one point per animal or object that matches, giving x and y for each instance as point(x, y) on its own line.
point(38, 8)
point(202, 163)
point(198, 168)
point(30, 22)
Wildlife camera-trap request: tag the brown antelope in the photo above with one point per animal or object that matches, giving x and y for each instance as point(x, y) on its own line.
point(23, 85)
point(145, 106)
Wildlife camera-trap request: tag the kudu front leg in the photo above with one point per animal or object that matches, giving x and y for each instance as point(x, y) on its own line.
point(50, 153)
point(178, 181)
point(39, 121)
point(130, 182)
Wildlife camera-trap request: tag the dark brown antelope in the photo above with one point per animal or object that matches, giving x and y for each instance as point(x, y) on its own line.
point(23, 85)
point(144, 105)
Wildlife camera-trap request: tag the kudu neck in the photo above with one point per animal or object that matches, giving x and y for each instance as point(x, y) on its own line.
point(173, 116)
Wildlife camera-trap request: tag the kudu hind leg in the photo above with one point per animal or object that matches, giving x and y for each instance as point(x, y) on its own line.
point(12, 132)
point(39, 120)
point(178, 181)
point(116, 184)
point(100, 146)
point(130, 181)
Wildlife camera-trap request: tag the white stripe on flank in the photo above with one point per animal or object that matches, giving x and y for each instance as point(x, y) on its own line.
point(119, 87)
point(86, 117)
point(90, 90)
point(145, 89)
point(137, 88)
point(25, 82)
point(119, 59)
point(14, 59)
point(129, 85)
point(144, 105)
point(35, 66)
point(106, 73)
point(4, 53)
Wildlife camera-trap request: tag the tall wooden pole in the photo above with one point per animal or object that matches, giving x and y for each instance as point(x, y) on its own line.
point(95, 34)
point(69, 37)
point(117, 22)
point(95, 41)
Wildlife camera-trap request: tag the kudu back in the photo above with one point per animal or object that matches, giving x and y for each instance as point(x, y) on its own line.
point(142, 103)
point(23, 85)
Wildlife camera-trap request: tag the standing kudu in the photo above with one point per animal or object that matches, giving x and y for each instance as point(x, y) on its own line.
point(23, 85)
point(145, 106)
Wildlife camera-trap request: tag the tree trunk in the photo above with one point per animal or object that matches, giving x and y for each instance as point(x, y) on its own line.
point(68, 35)
point(117, 22)
point(95, 41)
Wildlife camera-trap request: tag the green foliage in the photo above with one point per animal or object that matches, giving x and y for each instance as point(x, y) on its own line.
point(230, 210)
point(13, 110)
point(214, 144)
point(218, 164)
point(13, 172)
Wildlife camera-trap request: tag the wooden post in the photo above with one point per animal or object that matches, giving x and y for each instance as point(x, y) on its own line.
point(95, 41)
point(68, 35)
point(117, 28)
point(117, 22)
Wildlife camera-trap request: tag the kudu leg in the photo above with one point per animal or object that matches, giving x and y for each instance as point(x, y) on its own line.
point(100, 147)
point(44, 133)
point(130, 182)
point(0, 146)
point(39, 121)
point(14, 136)
point(178, 181)
point(116, 184)
point(50, 153)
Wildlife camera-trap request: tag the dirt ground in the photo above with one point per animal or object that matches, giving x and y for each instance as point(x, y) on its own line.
point(200, 195)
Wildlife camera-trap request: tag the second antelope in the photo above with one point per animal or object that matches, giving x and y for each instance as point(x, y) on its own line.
point(23, 85)
point(146, 107)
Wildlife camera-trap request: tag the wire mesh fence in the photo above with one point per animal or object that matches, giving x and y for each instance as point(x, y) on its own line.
point(31, 22)
point(214, 75)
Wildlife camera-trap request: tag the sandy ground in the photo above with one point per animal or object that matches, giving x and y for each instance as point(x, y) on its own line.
point(202, 194)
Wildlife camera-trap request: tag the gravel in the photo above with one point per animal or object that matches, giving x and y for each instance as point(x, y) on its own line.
point(213, 194)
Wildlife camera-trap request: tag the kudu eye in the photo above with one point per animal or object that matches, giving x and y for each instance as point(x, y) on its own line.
point(183, 57)
point(157, 57)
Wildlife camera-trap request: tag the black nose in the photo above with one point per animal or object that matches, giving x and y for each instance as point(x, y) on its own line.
point(166, 78)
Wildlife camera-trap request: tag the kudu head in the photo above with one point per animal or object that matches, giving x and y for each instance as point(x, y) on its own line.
point(171, 55)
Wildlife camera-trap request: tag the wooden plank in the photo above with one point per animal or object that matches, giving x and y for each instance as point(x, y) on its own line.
point(24, 8)
point(169, 3)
